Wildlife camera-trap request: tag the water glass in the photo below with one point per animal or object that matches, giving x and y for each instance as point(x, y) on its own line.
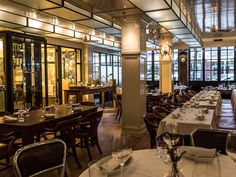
point(21, 117)
point(57, 102)
point(27, 108)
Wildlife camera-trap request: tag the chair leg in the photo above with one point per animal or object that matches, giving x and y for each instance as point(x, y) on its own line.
point(98, 146)
point(89, 154)
point(75, 156)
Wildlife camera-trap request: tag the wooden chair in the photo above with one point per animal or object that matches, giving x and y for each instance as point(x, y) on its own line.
point(39, 158)
point(118, 101)
point(87, 132)
point(66, 131)
point(160, 112)
point(151, 123)
point(209, 138)
point(7, 147)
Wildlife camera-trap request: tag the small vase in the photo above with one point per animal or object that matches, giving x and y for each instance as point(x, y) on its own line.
point(174, 172)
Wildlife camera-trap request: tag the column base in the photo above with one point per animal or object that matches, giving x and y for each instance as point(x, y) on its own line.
point(134, 131)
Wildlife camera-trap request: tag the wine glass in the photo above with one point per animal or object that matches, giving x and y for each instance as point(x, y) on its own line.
point(121, 150)
point(171, 135)
point(231, 146)
point(27, 108)
point(57, 102)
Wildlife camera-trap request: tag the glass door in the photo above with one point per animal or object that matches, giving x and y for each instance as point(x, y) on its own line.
point(52, 74)
point(27, 78)
point(68, 66)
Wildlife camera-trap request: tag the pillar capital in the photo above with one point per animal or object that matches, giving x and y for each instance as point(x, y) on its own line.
point(133, 35)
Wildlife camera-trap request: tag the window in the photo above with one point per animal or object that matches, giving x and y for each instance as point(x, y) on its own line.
point(196, 64)
point(149, 66)
point(218, 64)
point(175, 65)
point(211, 64)
point(106, 67)
point(96, 66)
point(152, 66)
point(227, 64)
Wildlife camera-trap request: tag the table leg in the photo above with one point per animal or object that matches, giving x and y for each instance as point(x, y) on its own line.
point(103, 100)
point(27, 137)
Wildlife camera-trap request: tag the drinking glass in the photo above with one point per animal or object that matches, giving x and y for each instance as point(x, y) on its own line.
point(57, 102)
point(231, 146)
point(171, 135)
point(27, 108)
point(121, 150)
point(20, 117)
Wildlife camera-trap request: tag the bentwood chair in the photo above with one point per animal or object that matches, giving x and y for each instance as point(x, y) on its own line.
point(7, 147)
point(209, 138)
point(160, 111)
point(40, 158)
point(87, 132)
point(66, 131)
point(151, 123)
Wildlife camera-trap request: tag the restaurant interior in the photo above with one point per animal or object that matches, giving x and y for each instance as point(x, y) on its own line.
point(129, 88)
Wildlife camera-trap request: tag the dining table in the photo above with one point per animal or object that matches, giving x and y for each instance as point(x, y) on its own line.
point(36, 120)
point(145, 163)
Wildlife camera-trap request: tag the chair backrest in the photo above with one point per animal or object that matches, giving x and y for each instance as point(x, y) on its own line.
point(151, 127)
point(88, 103)
point(160, 111)
point(66, 129)
point(38, 158)
point(209, 138)
point(93, 120)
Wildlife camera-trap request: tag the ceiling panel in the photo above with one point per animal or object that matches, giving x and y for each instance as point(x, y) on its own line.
point(38, 4)
point(66, 14)
point(34, 31)
point(9, 25)
point(110, 30)
point(163, 15)
point(172, 24)
point(149, 5)
point(92, 23)
point(179, 31)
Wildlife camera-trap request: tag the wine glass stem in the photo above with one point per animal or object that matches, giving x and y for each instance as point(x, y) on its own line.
point(121, 169)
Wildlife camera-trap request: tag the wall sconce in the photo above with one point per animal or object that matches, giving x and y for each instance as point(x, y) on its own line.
point(165, 52)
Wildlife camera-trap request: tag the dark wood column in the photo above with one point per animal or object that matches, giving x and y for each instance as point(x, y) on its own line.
point(183, 67)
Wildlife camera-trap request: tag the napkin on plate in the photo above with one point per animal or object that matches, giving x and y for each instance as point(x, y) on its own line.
point(10, 119)
point(198, 153)
point(112, 164)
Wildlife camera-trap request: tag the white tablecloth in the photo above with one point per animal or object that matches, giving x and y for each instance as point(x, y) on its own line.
point(187, 121)
point(146, 164)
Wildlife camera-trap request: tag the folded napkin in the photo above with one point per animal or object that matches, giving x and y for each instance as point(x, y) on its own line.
point(110, 165)
point(198, 153)
point(10, 119)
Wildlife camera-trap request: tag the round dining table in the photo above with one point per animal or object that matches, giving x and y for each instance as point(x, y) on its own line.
point(145, 163)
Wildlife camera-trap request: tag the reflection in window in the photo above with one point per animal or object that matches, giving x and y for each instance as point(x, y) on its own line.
point(152, 66)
